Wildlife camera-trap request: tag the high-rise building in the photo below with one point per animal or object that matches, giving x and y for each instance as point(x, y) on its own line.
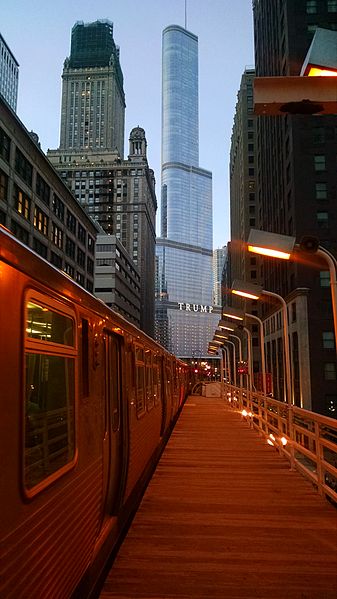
point(9, 74)
point(119, 194)
point(296, 187)
point(93, 101)
point(185, 317)
point(219, 258)
point(242, 169)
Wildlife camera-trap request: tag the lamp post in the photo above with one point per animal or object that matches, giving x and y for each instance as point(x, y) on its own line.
point(252, 291)
point(234, 360)
point(240, 351)
point(249, 356)
point(284, 246)
point(237, 314)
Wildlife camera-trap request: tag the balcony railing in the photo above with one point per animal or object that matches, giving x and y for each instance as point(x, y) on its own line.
point(308, 440)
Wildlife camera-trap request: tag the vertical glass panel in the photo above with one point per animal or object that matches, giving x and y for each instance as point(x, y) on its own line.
point(47, 325)
point(49, 415)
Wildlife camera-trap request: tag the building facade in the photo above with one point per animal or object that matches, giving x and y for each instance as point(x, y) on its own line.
point(118, 193)
point(120, 196)
point(219, 259)
point(93, 101)
point(296, 187)
point(117, 279)
point(9, 75)
point(38, 207)
point(185, 318)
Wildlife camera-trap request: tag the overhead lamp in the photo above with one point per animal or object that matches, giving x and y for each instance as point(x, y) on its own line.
point(246, 290)
point(270, 244)
point(321, 58)
point(219, 333)
point(225, 325)
point(233, 313)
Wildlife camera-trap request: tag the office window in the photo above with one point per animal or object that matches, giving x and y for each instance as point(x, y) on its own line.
point(323, 219)
point(5, 144)
point(328, 338)
point(319, 162)
point(22, 202)
point(40, 221)
point(321, 191)
point(58, 207)
point(42, 189)
point(311, 7)
point(71, 222)
point(57, 235)
point(330, 371)
point(332, 6)
point(3, 186)
point(324, 278)
point(23, 167)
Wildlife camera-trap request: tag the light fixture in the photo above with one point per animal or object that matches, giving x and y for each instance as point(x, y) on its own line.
point(233, 313)
point(321, 58)
point(246, 290)
point(225, 325)
point(270, 244)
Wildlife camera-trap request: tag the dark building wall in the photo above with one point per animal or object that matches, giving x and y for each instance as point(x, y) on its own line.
point(296, 176)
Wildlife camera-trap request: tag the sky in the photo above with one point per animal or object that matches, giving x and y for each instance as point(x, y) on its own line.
point(38, 33)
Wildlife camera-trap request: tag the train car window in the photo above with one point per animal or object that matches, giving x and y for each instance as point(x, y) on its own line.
point(140, 401)
point(113, 378)
point(149, 388)
point(47, 325)
point(84, 378)
point(140, 382)
point(49, 402)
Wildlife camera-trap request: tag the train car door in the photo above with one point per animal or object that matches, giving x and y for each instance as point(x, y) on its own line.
point(112, 443)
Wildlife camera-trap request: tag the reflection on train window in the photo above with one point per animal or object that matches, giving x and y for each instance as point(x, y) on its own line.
point(49, 422)
point(48, 325)
point(49, 412)
point(140, 399)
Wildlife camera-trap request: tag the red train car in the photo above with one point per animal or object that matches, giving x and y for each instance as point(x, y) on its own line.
point(87, 402)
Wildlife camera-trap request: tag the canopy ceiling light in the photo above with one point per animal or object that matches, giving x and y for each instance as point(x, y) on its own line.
point(233, 313)
point(270, 244)
point(246, 290)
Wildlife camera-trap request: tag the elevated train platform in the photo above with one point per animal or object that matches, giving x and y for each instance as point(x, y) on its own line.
point(225, 517)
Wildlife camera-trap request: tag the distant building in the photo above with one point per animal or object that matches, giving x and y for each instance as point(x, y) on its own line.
point(38, 208)
point(243, 197)
point(9, 74)
point(219, 259)
point(118, 193)
point(185, 318)
point(117, 280)
point(93, 101)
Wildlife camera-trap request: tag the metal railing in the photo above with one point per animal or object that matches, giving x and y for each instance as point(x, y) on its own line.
point(308, 440)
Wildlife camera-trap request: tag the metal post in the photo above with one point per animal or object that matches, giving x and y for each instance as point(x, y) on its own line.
point(234, 360)
point(263, 355)
point(240, 352)
point(287, 371)
point(249, 358)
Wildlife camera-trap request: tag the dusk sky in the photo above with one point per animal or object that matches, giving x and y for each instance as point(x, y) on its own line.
point(38, 33)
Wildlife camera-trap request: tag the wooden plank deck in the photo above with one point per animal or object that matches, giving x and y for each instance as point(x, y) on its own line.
point(224, 517)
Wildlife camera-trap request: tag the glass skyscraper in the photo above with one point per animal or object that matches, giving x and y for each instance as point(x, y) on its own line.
point(185, 316)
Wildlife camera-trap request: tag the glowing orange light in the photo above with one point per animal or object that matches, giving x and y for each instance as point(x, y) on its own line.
point(244, 294)
point(284, 441)
point(268, 252)
point(226, 328)
point(270, 442)
point(232, 316)
point(316, 72)
point(244, 413)
point(272, 437)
